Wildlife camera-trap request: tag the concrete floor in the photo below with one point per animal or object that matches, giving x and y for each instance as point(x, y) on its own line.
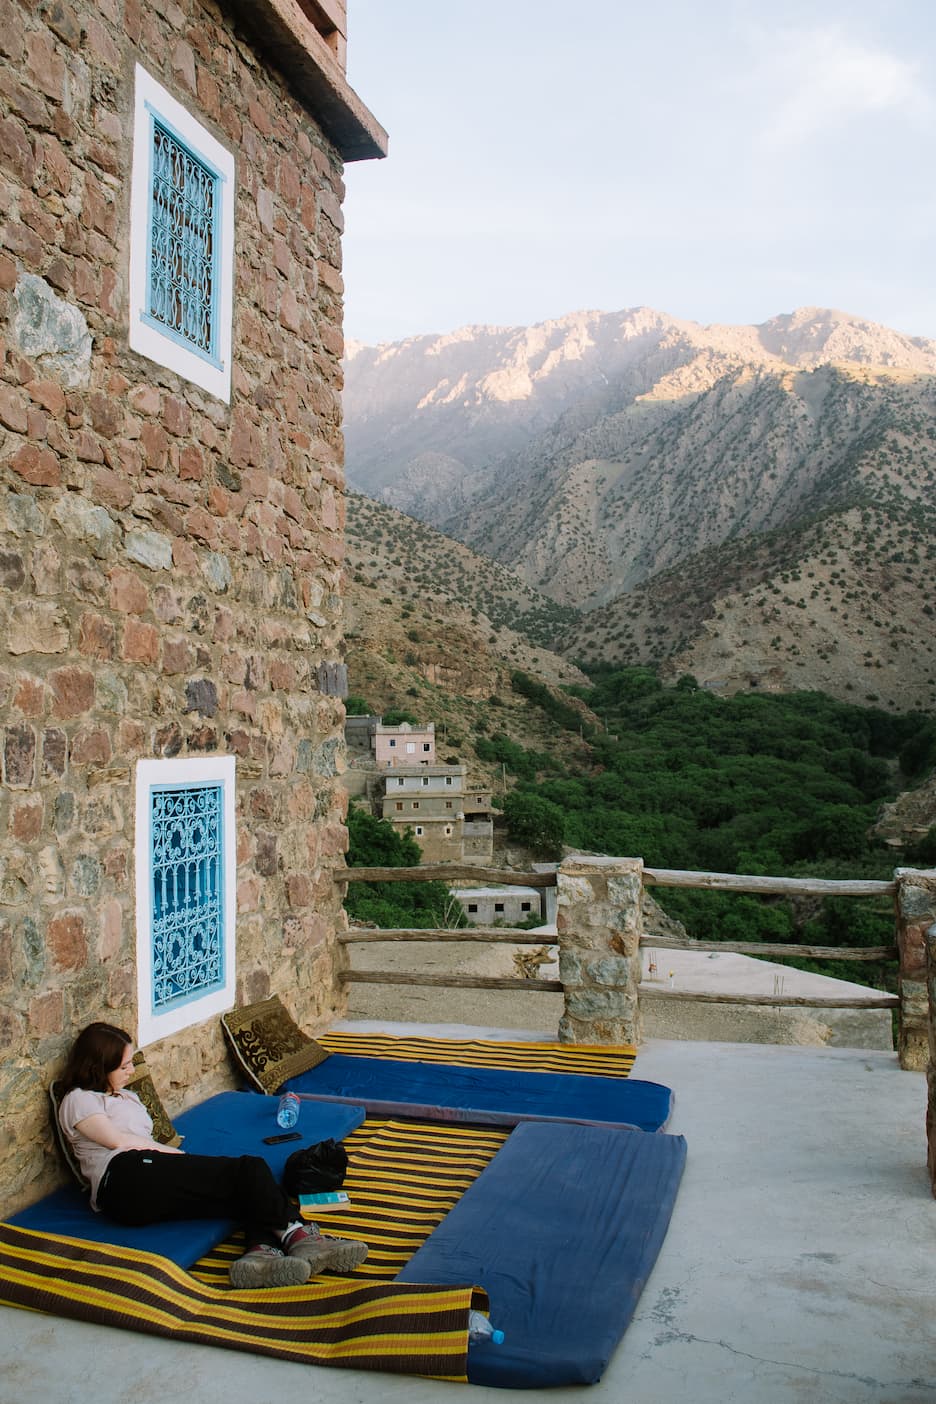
point(800, 1263)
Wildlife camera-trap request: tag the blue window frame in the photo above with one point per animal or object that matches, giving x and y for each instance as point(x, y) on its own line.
point(187, 892)
point(184, 243)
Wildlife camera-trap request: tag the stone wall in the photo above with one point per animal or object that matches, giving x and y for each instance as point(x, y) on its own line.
point(169, 564)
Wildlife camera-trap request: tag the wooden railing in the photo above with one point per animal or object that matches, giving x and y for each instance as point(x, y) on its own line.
point(662, 877)
point(775, 886)
point(446, 873)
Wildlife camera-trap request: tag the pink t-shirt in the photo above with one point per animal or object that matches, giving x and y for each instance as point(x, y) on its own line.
point(123, 1109)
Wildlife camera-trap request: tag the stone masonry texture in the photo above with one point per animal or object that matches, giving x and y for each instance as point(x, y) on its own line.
point(916, 941)
point(916, 911)
point(170, 565)
point(599, 926)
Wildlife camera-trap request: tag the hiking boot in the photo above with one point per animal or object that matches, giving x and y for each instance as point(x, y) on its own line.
point(307, 1245)
point(266, 1266)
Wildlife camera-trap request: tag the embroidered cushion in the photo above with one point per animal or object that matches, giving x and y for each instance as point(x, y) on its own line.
point(268, 1045)
point(142, 1084)
point(64, 1145)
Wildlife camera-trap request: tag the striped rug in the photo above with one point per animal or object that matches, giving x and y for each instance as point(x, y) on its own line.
point(402, 1328)
point(403, 1178)
point(592, 1060)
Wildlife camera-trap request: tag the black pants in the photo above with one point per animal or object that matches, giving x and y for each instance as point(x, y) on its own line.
point(146, 1187)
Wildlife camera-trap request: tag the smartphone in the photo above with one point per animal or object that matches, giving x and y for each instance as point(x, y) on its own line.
point(286, 1136)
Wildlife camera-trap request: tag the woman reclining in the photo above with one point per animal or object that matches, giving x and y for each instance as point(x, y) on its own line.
point(137, 1180)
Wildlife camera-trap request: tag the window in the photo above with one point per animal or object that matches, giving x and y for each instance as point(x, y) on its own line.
point(415, 804)
point(426, 746)
point(185, 893)
point(419, 830)
point(425, 780)
point(181, 241)
point(410, 747)
point(498, 906)
point(472, 906)
point(392, 743)
point(448, 779)
point(448, 804)
point(399, 804)
point(448, 831)
point(399, 784)
point(524, 906)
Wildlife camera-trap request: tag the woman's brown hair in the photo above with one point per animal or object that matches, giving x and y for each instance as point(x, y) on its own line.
point(97, 1051)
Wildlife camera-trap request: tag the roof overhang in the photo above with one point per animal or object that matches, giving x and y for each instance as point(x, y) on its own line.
point(283, 30)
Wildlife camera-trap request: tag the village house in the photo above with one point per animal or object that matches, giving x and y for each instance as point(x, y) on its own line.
point(403, 745)
point(451, 822)
point(506, 906)
point(171, 530)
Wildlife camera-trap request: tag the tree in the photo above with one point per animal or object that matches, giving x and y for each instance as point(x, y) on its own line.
point(533, 820)
point(398, 717)
point(375, 843)
point(357, 707)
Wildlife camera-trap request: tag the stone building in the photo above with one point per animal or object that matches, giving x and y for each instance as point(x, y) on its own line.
point(488, 906)
point(171, 525)
point(359, 735)
point(450, 821)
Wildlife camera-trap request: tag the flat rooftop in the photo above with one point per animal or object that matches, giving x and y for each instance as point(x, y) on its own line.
point(800, 1263)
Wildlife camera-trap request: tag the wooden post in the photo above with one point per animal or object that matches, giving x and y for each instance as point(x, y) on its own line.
point(599, 926)
point(916, 911)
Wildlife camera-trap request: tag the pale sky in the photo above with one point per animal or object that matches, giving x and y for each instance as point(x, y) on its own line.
point(722, 160)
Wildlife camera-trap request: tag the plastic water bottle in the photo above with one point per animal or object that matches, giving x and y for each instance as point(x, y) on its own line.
point(480, 1329)
point(287, 1113)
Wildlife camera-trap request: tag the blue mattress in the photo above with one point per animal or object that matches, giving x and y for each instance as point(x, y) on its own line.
point(232, 1123)
point(486, 1096)
point(562, 1228)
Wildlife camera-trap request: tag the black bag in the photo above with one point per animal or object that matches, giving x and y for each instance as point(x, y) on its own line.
point(315, 1168)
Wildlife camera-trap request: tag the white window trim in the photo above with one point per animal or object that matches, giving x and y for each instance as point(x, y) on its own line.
point(202, 770)
point(152, 97)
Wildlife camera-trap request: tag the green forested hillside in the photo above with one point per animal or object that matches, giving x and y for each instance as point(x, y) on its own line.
point(750, 784)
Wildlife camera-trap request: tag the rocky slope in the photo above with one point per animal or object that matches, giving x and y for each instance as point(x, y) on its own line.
point(434, 628)
point(750, 504)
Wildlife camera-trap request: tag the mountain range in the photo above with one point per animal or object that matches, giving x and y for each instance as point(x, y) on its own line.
point(753, 505)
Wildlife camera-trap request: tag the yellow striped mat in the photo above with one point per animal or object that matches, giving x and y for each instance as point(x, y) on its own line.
point(403, 1178)
point(591, 1060)
point(400, 1327)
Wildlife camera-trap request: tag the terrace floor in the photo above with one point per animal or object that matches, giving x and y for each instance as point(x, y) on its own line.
point(800, 1264)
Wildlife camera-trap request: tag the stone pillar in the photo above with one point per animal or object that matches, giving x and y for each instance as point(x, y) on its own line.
point(916, 910)
point(929, 939)
point(599, 926)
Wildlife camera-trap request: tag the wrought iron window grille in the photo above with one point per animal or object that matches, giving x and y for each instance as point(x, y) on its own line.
point(187, 933)
point(184, 243)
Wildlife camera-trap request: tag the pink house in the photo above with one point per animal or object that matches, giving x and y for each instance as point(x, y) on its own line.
point(404, 745)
